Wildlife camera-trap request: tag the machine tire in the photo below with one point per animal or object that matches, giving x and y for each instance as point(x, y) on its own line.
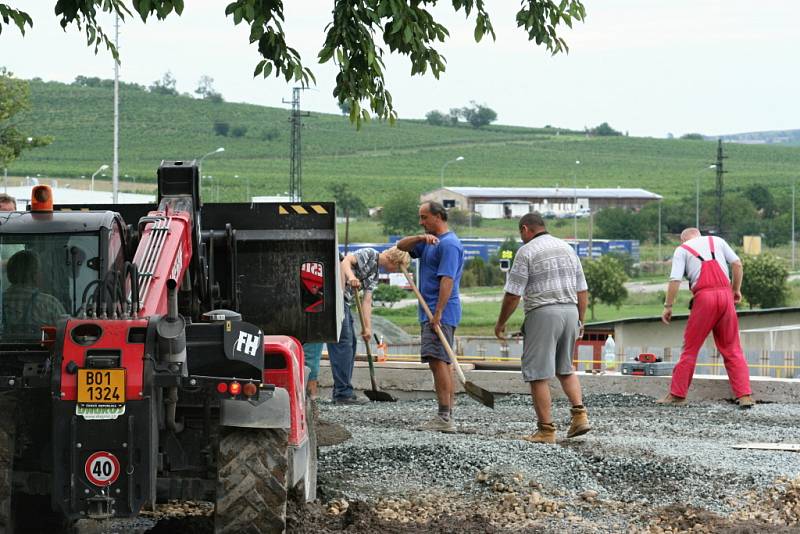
point(8, 428)
point(252, 480)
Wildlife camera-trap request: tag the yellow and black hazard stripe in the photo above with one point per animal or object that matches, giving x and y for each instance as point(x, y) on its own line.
point(301, 209)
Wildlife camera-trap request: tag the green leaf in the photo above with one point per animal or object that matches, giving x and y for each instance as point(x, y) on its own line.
point(325, 54)
point(407, 34)
point(259, 67)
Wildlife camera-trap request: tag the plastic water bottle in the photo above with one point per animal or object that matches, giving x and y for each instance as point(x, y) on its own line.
point(610, 353)
point(381, 356)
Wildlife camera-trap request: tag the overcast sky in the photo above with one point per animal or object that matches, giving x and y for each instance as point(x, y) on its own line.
point(647, 67)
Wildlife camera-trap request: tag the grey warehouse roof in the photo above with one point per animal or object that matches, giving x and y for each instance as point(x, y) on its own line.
point(553, 192)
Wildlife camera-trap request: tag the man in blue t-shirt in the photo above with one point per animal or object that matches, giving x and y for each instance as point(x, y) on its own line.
point(441, 260)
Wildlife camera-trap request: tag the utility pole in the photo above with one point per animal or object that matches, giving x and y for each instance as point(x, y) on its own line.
point(295, 147)
point(115, 164)
point(660, 257)
point(720, 172)
point(794, 242)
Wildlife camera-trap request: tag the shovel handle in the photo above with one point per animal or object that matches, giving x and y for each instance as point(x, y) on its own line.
point(357, 297)
point(439, 332)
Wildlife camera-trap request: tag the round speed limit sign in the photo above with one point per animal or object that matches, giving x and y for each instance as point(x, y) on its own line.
point(102, 468)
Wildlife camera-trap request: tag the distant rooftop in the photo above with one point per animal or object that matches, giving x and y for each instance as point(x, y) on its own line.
point(66, 195)
point(553, 192)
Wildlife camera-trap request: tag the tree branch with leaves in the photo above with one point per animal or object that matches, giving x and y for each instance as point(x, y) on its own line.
point(355, 39)
point(14, 98)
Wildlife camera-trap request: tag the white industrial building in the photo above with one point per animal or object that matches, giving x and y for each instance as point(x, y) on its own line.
point(513, 202)
point(67, 195)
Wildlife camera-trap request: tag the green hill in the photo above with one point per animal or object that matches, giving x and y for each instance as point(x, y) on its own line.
point(377, 161)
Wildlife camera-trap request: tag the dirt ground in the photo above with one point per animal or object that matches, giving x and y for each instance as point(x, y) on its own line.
point(643, 469)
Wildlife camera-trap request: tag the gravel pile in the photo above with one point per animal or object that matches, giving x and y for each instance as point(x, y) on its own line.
point(644, 467)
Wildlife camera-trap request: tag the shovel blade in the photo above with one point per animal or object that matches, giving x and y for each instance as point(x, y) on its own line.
point(378, 396)
point(479, 394)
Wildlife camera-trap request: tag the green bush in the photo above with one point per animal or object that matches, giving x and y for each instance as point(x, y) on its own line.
point(436, 118)
point(764, 283)
point(606, 278)
point(400, 214)
point(221, 128)
point(238, 131)
point(387, 295)
point(619, 223)
point(629, 265)
point(468, 279)
point(457, 217)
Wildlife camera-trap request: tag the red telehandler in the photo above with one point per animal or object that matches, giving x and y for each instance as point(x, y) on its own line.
point(162, 359)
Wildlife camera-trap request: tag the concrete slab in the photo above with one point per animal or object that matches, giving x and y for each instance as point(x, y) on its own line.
point(417, 382)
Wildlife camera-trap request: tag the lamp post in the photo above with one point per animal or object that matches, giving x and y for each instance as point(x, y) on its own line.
point(204, 156)
point(98, 171)
point(446, 163)
point(697, 196)
point(575, 206)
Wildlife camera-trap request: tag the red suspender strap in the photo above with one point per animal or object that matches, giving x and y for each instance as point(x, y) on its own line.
point(693, 252)
point(711, 246)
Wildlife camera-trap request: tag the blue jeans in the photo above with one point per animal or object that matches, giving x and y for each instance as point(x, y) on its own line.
point(312, 352)
point(343, 356)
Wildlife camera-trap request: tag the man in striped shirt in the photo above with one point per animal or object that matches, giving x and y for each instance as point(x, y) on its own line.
point(548, 275)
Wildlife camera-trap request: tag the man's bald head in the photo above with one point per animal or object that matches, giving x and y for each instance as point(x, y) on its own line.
point(689, 233)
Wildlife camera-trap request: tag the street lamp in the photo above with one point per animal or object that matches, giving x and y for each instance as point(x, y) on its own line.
point(204, 156)
point(697, 196)
point(446, 163)
point(575, 206)
point(98, 171)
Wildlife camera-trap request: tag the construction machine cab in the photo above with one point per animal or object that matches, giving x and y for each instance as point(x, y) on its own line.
point(50, 267)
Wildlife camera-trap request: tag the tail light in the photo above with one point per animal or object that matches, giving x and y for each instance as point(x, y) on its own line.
point(249, 389)
point(222, 387)
point(235, 388)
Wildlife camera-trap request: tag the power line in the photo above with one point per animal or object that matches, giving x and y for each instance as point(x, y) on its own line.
point(720, 193)
point(295, 146)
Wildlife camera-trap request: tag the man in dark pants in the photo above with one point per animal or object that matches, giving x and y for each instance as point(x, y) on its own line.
point(441, 258)
point(548, 273)
point(359, 270)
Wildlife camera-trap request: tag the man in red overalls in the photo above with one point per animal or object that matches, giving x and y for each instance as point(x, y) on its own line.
point(704, 261)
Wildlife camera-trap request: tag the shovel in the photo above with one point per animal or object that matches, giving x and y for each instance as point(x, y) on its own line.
point(374, 394)
point(473, 390)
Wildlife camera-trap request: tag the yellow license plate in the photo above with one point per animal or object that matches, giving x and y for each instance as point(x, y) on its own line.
point(101, 386)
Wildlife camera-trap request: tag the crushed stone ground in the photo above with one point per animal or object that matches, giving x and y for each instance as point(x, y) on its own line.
point(643, 468)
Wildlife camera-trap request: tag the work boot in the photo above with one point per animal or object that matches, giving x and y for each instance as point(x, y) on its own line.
point(355, 400)
point(580, 422)
point(438, 424)
point(672, 400)
point(545, 433)
point(745, 402)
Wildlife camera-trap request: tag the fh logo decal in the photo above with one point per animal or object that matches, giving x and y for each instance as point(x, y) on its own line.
point(247, 343)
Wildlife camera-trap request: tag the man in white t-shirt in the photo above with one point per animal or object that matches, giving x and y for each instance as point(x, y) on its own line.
point(704, 261)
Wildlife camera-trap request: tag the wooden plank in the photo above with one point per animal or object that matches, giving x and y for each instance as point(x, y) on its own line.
point(791, 447)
